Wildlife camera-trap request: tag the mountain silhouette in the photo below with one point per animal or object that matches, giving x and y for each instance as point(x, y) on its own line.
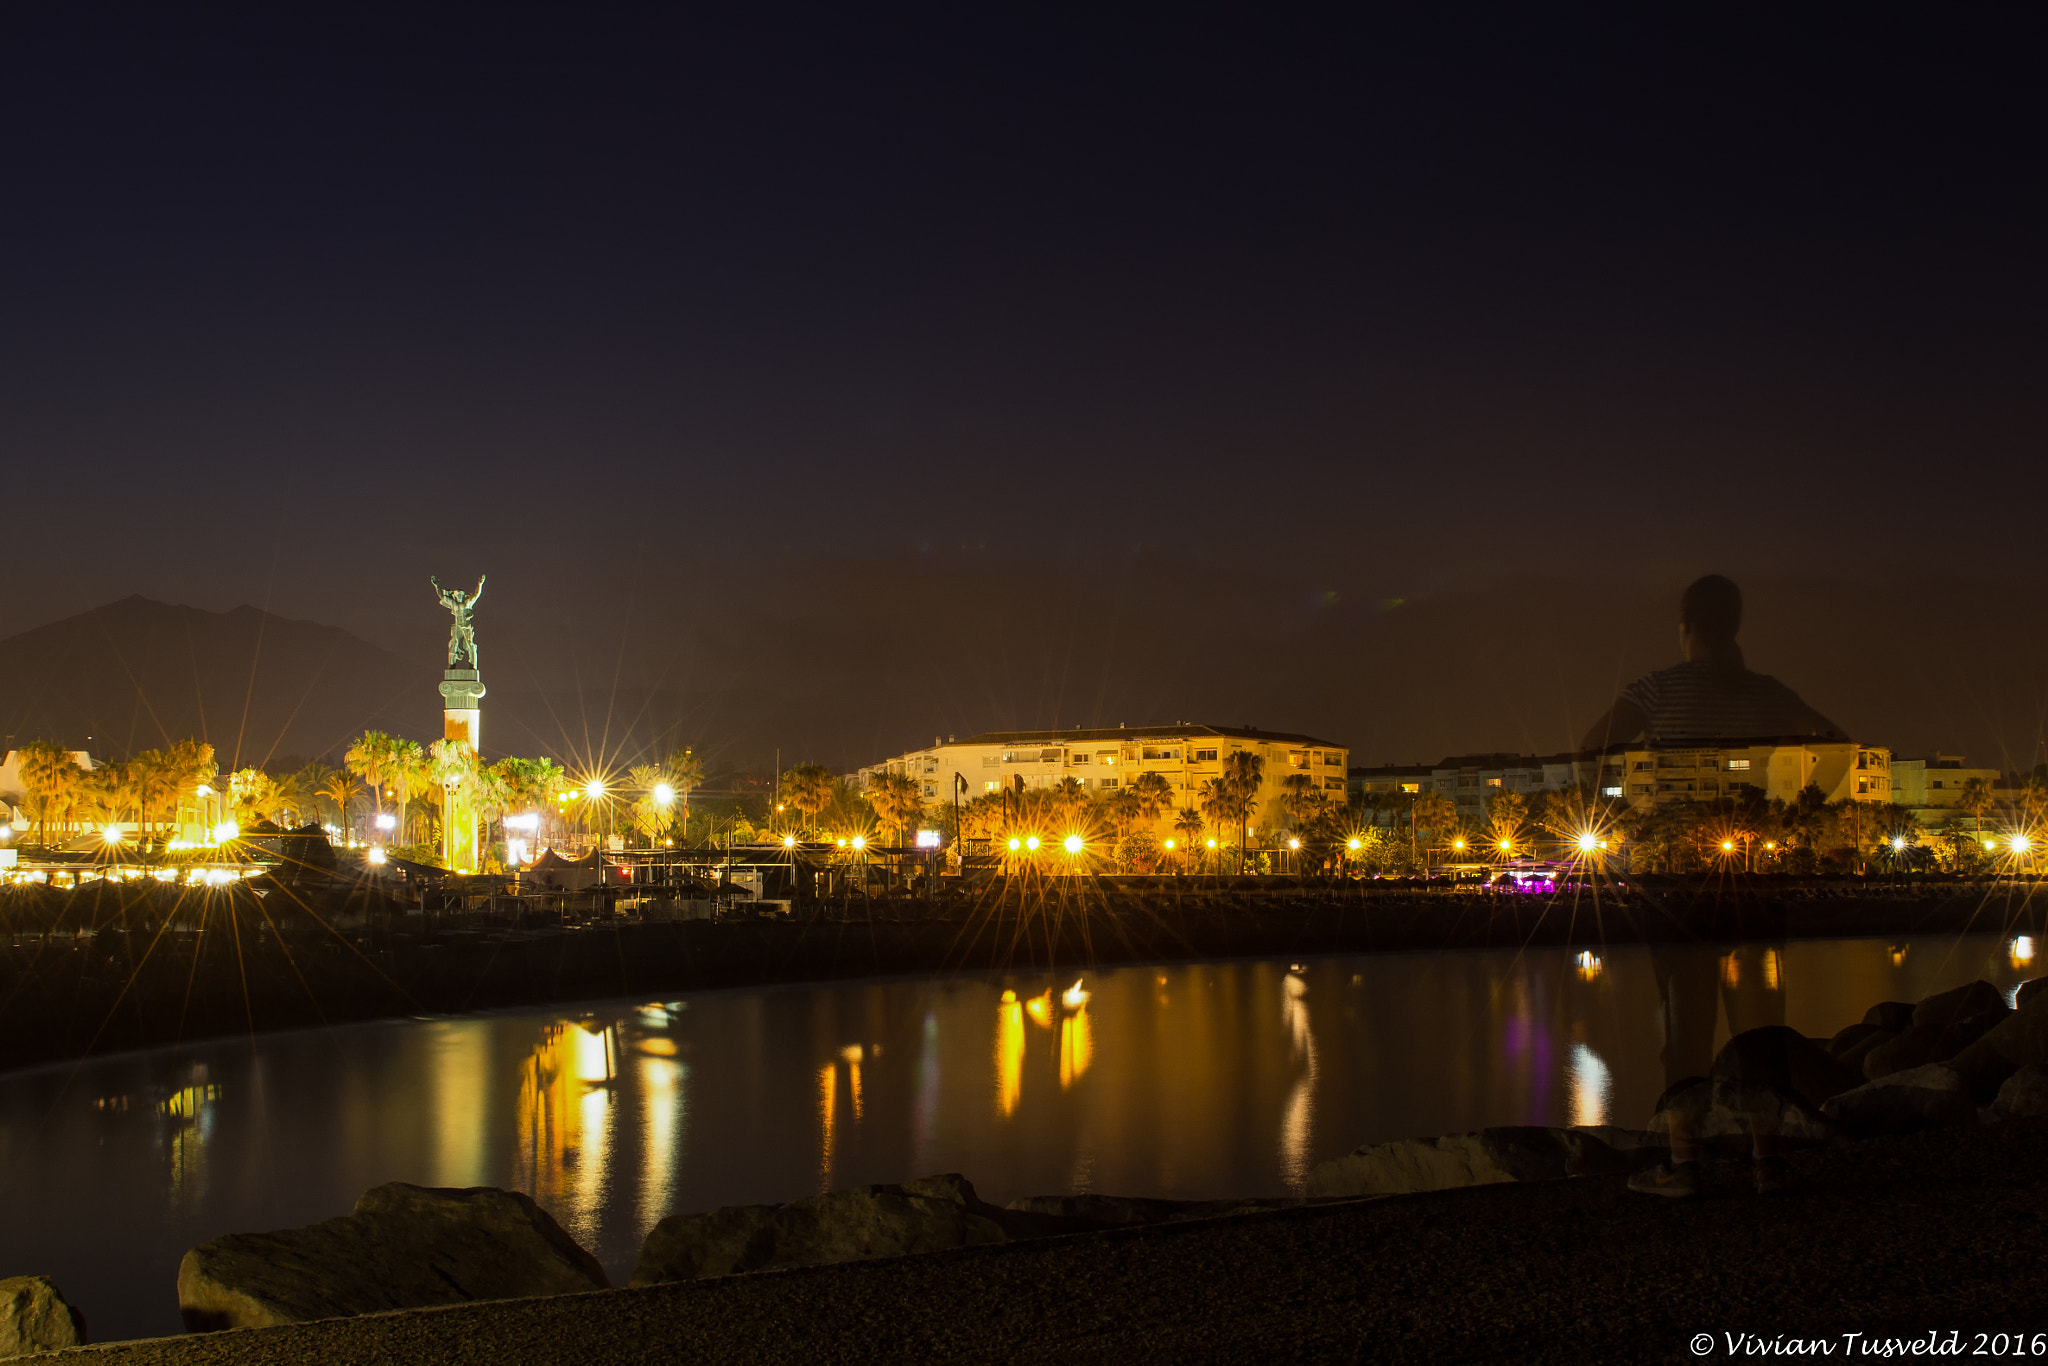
point(138, 673)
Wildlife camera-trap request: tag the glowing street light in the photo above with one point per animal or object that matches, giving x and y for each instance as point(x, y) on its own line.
point(1212, 841)
point(1587, 843)
point(1031, 843)
point(1507, 846)
point(789, 841)
point(2021, 843)
point(1353, 844)
point(376, 854)
point(112, 834)
point(386, 821)
point(1072, 844)
point(663, 794)
point(1169, 846)
point(860, 841)
point(594, 789)
point(1898, 843)
point(1015, 844)
point(1458, 844)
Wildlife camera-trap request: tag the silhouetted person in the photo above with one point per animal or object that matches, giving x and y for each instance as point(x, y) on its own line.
point(1712, 695)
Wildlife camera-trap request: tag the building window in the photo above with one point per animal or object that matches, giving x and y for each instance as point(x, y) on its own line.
point(1048, 756)
point(1610, 791)
point(1862, 785)
point(1642, 789)
point(1333, 784)
point(1411, 787)
point(1082, 759)
point(1297, 758)
point(1333, 758)
point(931, 789)
point(992, 760)
point(1107, 782)
point(1162, 752)
point(1738, 765)
point(1937, 784)
point(1493, 782)
point(1205, 756)
point(1107, 756)
point(990, 787)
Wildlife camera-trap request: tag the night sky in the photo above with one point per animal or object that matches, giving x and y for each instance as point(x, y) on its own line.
point(941, 371)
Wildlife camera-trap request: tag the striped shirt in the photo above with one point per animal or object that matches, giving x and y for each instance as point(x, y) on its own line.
point(1697, 701)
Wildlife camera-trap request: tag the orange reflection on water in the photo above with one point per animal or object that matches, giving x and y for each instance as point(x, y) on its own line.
point(1009, 1053)
point(1039, 1008)
point(1077, 1047)
point(565, 1118)
point(1297, 1122)
point(828, 1122)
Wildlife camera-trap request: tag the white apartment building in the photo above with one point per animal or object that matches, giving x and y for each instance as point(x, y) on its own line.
point(1779, 769)
point(1101, 761)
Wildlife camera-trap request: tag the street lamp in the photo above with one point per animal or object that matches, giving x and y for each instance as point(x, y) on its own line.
point(1072, 844)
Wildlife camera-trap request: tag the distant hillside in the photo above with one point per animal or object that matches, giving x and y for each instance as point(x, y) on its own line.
point(135, 673)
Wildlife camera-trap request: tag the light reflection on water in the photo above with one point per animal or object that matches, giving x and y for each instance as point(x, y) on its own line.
point(1185, 1080)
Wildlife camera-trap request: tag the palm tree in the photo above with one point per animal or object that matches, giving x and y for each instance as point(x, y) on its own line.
point(51, 776)
point(1506, 815)
point(410, 774)
point(1976, 799)
point(897, 801)
point(341, 789)
point(452, 770)
point(686, 773)
point(650, 812)
point(369, 758)
point(1243, 771)
point(808, 788)
point(1188, 825)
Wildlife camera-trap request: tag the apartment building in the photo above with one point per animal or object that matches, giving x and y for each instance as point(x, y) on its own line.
point(1779, 769)
point(1933, 788)
point(1101, 761)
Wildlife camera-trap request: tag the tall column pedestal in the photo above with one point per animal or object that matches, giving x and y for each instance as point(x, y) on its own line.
point(462, 695)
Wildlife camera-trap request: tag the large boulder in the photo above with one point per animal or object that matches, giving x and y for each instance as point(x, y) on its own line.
point(927, 1215)
point(404, 1247)
point(1930, 1042)
point(1487, 1157)
point(2024, 1095)
point(1855, 1036)
point(1948, 1007)
point(2027, 991)
point(35, 1318)
point(2018, 1040)
point(1930, 1097)
point(1890, 1016)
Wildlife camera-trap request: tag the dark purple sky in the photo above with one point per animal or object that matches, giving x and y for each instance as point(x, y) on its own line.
point(994, 330)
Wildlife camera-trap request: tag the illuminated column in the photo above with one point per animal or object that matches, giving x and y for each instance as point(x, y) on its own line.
point(462, 695)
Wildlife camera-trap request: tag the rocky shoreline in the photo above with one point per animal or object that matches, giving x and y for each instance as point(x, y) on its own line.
point(1938, 1074)
point(127, 989)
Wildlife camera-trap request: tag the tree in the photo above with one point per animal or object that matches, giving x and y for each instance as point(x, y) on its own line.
point(1154, 795)
point(1188, 825)
point(808, 789)
point(369, 758)
point(1507, 815)
point(1300, 799)
point(1435, 813)
point(340, 789)
point(254, 793)
point(686, 772)
point(1976, 799)
point(653, 809)
point(1243, 771)
point(409, 773)
point(897, 801)
point(51, 777)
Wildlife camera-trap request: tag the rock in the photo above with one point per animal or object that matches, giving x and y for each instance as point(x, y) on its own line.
point(1965, 1001)
point(1891, 1016)
point(2019, 1040)
point(1854, 1035)
point(1122, 1210)
point(1854, 1056)
point(1725, 1115)
point(927, 1215)
point(35, 1318)
point(2024, 1095)
point(1782, 1060)
point(2027, 991)
point(1926, 1043)
point(1624, 1140)
point(404, 1247)
point(1488, 1157)
point(1929, 1097)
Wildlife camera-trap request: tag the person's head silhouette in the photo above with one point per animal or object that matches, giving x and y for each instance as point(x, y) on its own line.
point(1709, 615)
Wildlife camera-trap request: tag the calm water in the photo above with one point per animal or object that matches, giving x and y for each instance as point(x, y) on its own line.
point(1188, 1080)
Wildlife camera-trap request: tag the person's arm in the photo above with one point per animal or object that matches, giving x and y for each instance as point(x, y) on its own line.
point(1623, 721)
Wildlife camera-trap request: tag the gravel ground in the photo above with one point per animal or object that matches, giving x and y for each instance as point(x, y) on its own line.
point(1896, 1237)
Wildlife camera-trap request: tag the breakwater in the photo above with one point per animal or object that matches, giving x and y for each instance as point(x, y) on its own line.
point(94, 972)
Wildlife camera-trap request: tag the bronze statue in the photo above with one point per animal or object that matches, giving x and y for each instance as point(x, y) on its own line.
point(461, 636)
